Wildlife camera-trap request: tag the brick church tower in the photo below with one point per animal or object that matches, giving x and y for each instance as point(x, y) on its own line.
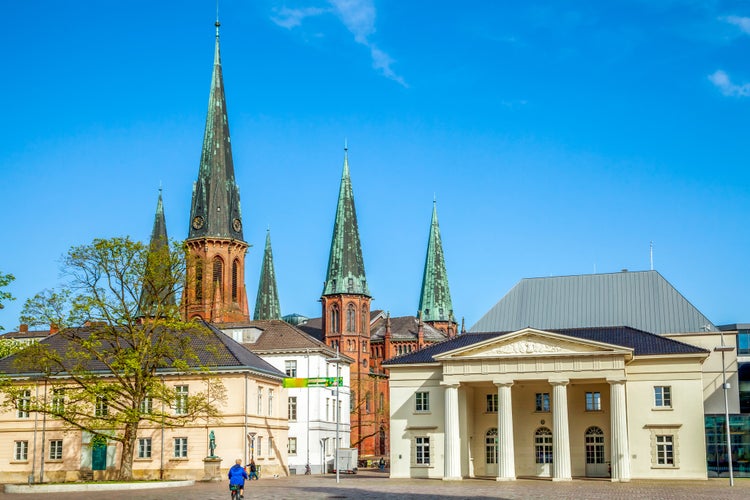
point(215, 288)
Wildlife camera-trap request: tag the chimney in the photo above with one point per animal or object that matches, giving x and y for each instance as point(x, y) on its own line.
point(23, 328)
point(53, 329)
point(387, 338)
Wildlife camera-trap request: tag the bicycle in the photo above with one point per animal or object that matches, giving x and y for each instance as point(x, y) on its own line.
point(234, 489)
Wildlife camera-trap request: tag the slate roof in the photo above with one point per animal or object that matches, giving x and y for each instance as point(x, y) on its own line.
point(642, 343)
point(405, 328)
point(214, 350)
point(642, 300)
point(29, 334)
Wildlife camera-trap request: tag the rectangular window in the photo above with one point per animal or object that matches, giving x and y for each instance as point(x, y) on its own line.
point(23, 403)
point(181, 400)
point(101, 409)
point(58, 401)
point(180, 447)
point(422, 454)
point(593, 401)
point(491, 403)
point(291, 447)
point(542, 402)
point(663, 396)
point(328, 408)
point(55, 449)
point(422, 402)
point(292, 408)
point(270, 446)
point(147, 405)
point(260, 400)
point(290, 367)
point(144, 448)
point(338, 413)
point(665, 450)
point(21, 451)
point(270, 402)
point(259, 449)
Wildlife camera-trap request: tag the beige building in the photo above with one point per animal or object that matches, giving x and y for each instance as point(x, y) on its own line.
point(253, 423)
point(578, 402)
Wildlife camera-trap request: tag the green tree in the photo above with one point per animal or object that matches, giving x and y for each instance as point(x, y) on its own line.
point(10, 346)
point(5, 280)
point(120, 332)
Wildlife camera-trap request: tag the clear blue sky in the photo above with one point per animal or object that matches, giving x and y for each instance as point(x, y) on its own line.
point(558, 137)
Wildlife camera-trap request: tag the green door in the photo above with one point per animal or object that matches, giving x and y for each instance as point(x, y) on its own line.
point(99, 456)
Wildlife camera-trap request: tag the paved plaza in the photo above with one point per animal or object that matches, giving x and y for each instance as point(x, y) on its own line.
point(371, 485)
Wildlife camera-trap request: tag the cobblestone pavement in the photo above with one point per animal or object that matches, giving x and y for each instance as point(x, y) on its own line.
point(372, 485)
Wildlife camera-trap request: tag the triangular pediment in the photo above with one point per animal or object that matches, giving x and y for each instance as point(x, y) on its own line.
point(531, 342)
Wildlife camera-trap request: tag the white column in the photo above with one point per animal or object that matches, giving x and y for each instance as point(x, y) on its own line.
point(506, 450)
point(560, 432)
point(619, 431)
point(452, 437)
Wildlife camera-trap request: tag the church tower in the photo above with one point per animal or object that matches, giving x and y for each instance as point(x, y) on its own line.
point(435, 305)
point(215, 288)
point(267, 302)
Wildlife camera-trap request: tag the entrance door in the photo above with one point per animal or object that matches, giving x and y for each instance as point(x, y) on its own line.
point(596, 465)
point(99, 456)
point(490, 452)
point(543, 451)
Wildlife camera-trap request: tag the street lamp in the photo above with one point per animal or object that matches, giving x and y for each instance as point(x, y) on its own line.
point(723, 348)
point(252, 444)
point(323, 468)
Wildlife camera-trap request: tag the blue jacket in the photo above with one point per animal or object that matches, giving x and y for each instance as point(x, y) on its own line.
point(237, 475)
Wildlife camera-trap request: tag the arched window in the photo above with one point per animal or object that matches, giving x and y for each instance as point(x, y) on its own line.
point(198, 281)
point(335, 319)
point(543, 445)
point(368, 402)
point(218, 274)
point(352, 401)
point(365, 319)
point(594, 445)
point(490, 446)
point(235, 272)
point(350, 318)
point(381, 407)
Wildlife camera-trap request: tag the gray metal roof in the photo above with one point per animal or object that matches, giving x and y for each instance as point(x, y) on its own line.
point(642, 300)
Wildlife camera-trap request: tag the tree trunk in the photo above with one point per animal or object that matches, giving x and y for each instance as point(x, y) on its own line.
point(128, 452)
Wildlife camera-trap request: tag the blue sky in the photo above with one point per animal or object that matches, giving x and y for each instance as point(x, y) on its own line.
point(558, 137)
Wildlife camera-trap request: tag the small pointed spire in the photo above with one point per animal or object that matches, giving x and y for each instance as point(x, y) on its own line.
point(267, 302)
point(157, 291)
point(435, 300)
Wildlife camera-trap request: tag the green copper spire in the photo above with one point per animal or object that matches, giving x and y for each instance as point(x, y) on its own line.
point(435, 302)
point(215, 210)
point(346, 268)
point(267, 303)
point(157, 289)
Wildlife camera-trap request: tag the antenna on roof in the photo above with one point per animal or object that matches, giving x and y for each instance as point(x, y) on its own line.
point(651, 254)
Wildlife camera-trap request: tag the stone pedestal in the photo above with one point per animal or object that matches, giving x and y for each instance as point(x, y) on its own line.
point(212, 469)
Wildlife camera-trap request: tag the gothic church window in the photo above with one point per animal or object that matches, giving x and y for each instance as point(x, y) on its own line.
point(235, 271)
point(350, 318)
point(335, 319)
point(218, 271)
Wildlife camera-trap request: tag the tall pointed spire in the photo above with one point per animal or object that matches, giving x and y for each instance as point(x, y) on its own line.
point(435, 305)
point(346, 268)
point(267, 303)
point(215, 210)
point(157, 291)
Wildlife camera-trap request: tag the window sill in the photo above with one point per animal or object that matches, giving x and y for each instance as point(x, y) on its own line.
point(144, 459)
point(542, 411)
point(594, 411)
point(19, 461)
point(665, 467)
point(179, 459)
point(417, 412)
point(53, 461)
point(422, 466)
point(662, 408)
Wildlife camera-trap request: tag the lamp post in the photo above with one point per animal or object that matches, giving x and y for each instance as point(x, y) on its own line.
point(337, 359)
point(252, 445)
point(723, 348)
point(323, 454)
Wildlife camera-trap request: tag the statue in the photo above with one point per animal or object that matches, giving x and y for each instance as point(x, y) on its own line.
point(211, 443)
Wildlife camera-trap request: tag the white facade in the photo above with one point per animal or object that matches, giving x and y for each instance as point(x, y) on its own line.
point(313, 411)
point(540, 404)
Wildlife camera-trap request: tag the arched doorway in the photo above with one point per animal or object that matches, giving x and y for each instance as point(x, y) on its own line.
point(596, 465)
point(490, 452)
point(543, 451)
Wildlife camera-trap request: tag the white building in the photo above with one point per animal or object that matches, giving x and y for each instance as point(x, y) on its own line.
point(313, 408)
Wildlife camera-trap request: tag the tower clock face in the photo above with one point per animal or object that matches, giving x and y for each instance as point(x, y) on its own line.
point(197, 222)
point(237, 225)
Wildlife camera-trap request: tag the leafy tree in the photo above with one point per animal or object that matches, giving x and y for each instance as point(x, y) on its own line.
point(10, 346)
point(5, 280)
point(120, 331)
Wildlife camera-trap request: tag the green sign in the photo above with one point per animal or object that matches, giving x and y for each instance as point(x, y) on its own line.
point(313, 382)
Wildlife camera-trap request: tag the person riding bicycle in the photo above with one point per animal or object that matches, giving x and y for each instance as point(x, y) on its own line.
point(237, 476)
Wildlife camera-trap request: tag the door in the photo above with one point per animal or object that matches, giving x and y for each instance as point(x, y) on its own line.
point(490, 452)
point(596, 465)
point(543, 452)
point(99, 456)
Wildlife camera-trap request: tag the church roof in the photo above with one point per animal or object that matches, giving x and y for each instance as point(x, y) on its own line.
point(642, 300)
point(435, 300)
point(267, 304)
point(346, 267)
point(405, 328)
point(642, 343)
point(215, 209)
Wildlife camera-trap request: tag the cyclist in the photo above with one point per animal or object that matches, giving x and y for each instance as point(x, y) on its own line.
point(237, 476)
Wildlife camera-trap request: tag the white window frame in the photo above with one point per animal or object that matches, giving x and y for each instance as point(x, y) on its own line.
point(422, 451)
point(144, 448)
point(101, 408)
point(290, 368)
point(291, 446)
point(260, 400)
point(665, 450)
point(492, 403)
point(23, 403)
point(147, 405)
point(593, 401)
point(181, 394)
point(180, 447)
point(55, 449)
point(542, 402)
point(270, 402)
point(422, 402)
point(663, 396)
point(21, 451)
point(58, 400)
point(259, 447)
point(292, 408)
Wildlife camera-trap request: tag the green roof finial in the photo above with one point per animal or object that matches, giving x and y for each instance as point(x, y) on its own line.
point(267, 302)
point(435, 301)
point(215, 210)
point(346, 267)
